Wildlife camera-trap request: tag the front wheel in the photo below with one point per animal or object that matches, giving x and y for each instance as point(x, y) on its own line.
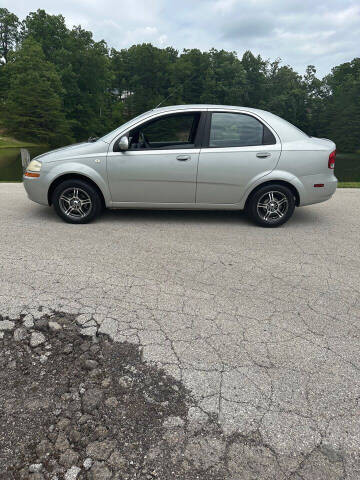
point(271, 205)
point(76, 201)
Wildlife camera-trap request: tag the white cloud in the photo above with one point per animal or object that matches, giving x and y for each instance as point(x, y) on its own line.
point(224, 5)
point(301, 32)
point(162, 39)
point(150, 30)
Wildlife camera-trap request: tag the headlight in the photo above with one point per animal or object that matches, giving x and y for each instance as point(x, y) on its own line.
point(34, 166)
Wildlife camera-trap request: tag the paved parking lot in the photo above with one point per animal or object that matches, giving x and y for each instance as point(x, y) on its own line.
point(261, 324)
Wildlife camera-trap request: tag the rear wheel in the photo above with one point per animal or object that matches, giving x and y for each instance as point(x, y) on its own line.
point(271, 205)
point(76, 201)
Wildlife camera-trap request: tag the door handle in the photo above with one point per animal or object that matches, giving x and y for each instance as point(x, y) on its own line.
point(183, 158)
point(263, 154)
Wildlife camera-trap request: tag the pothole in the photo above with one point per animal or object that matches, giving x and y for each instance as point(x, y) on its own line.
point(76, 407)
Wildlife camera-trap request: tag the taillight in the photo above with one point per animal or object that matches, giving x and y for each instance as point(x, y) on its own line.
point(331, 162)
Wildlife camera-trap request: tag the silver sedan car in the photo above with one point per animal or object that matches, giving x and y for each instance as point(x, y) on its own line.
point(189, 157)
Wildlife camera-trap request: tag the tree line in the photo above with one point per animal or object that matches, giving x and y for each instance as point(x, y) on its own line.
point(58, 85)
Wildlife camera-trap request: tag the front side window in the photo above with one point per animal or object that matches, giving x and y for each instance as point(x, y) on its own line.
point(238, 130)
point(172, 131)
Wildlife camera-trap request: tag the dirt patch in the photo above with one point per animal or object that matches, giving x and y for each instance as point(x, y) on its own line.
point(76, 407)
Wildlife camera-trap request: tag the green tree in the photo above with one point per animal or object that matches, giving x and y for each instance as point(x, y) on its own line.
point(33, 107)
point(142, 76)
point(286, 94)
point(93, 90)
point(257, 85)
point(86, 78)
point(9, 35)
point(188, 75)
point(341, 115)
point(84, 69)
point(49, 31)
point(225, 79)
point(4, 84)
point(316, 97)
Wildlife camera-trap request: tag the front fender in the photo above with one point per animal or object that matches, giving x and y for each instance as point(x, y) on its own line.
point(96, 174)
point(274, 175)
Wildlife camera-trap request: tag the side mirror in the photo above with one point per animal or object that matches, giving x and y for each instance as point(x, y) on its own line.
point(124, 143)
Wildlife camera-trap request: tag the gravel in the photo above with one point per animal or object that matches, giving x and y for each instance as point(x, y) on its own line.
point(80, 408)
point(6, 325)
point(72, 473)
point(36, 339)
point(20, 334)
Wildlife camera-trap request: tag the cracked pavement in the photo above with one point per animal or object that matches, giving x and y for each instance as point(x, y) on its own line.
point(262, 325)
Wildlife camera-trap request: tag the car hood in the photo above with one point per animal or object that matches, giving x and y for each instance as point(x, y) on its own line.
point(74, 150)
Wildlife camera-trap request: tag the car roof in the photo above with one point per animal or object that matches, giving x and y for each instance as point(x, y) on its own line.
point(205, 106)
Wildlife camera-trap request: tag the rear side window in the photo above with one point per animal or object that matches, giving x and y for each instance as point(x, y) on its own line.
point(238, 130)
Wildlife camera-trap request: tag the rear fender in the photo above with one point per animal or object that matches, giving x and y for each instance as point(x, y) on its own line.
point(273, 176)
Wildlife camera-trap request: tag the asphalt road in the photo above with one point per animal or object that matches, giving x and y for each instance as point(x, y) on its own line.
point(261, 324)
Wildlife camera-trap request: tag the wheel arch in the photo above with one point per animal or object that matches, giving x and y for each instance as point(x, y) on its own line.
point(278, 182)
point(71, 176)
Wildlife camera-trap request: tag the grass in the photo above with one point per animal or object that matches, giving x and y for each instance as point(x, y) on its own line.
point(349, 185)
point(10, 162)
point(8, 142)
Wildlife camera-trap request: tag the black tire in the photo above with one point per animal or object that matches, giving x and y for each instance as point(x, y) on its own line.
point(88, 201)
point(271, 206)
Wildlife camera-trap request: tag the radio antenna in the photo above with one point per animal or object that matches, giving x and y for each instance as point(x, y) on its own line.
point(175, 90)
point(164, 100)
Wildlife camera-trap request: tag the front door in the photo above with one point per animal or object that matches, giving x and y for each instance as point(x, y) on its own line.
point(238, 150)
point(161, 163)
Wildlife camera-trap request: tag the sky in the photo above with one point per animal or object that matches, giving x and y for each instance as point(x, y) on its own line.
point(323, 33)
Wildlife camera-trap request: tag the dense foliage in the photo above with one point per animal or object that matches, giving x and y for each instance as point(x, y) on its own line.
point(58, 85)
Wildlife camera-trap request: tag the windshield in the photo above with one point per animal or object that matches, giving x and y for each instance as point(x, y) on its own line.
point(109, 136)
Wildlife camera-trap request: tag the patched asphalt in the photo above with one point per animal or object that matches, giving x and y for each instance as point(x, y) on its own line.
point(261, 326)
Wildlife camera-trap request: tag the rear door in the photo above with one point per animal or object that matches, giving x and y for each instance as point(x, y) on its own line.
point(161, 164)
point(238, 148)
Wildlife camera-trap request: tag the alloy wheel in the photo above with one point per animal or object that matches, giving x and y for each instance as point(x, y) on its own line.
point(272, 206)
point(75, 202)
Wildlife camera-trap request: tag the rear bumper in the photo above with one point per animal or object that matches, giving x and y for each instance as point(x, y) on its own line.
point(311, 194)
point(36, 190)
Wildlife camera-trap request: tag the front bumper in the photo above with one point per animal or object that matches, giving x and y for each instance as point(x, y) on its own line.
point(36, 189)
